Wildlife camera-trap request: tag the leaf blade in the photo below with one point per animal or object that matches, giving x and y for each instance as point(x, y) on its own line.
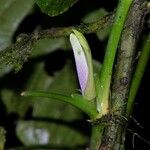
point(80, 103)
point(11, 14)
point(55, 7)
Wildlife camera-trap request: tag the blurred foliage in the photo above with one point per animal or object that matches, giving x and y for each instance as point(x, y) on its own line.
point(40, 133)
point(55, 7)
point(12, 13)
point(45, 46)
point(94, 16)
point(2, 138)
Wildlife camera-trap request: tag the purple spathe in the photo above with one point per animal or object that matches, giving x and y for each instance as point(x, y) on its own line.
point(80, 60)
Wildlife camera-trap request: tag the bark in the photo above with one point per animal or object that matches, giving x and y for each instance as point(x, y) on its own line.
point(112, 137)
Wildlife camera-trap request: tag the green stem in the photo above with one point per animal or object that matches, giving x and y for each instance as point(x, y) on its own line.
point(106, 72)
point(97, 132)
point(143, 60)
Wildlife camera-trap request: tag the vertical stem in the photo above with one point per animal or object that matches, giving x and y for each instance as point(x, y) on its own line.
point(112, 138)
point(106, 72)
point(96, 137)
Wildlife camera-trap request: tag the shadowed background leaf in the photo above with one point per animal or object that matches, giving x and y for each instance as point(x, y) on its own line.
point(55, 7)
point(40, 133)
point(95, 15)
point(12, 13)
point(2, 138)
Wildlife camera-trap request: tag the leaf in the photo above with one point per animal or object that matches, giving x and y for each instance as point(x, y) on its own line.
point(11, 14)
point(65, 82)
point(41, 133)
point(38, 79)
point(45, 46)
point(55, 7)
point(75, 100)
point(94, 16)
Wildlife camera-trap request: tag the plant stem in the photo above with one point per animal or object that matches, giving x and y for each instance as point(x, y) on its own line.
point(112, 138)
point(96, 137)
point(106, 71)
point(143, 60)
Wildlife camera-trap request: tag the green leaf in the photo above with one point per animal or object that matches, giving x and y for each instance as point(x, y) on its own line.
point(45, 46)
point(11, 14)
point(64, 83)
point(94, 16)
point(45, 133)
point(55, 7)
point(14, 103)
point(74, 100)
